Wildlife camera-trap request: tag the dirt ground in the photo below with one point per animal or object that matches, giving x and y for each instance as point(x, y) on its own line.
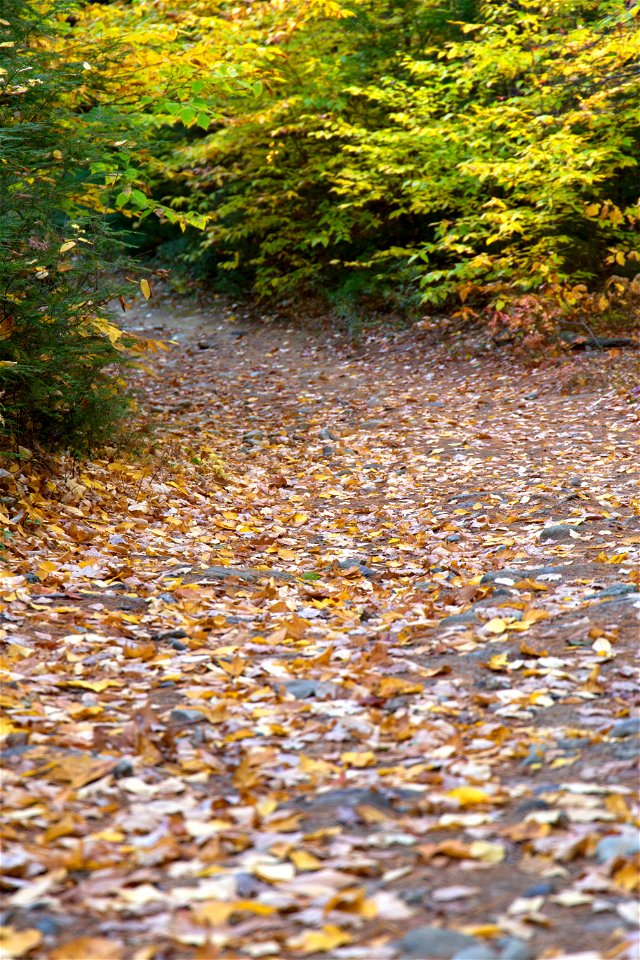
point(368, 691)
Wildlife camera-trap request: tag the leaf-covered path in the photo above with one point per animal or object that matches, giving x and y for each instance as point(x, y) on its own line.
point(371, 696)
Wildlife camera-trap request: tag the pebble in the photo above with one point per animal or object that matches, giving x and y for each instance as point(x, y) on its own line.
point(542, 889)
point(328, 434)
point(615, 590)
point(304, 689)
point(454, 538)
point(511, 948)
point(328, 451)
point(625, 728)
point(253, 435)
point(351, 562)
point(124, 768)
point(622, 845)
point(536, 755)
point(479, 951)
point(557, 531)
point(434, 943)
point(182, 716)
point(627, 749)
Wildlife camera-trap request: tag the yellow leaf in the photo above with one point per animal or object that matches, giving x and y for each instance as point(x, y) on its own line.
point(395, 687)
point(628, 877)
point(497, 625)
point(498, 662)
point(320, 941)
point(146, 289)
point(469, 796)
point(6, 727)
point(285, 554)
point(98, 948)
point(304, 861)
point(96, 686)
point(17, 943)
point(487, 852)
point(356, 758)
point(68, 245)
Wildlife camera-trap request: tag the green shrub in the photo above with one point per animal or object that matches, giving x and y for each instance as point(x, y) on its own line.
point(60, 353)
point(467, 153)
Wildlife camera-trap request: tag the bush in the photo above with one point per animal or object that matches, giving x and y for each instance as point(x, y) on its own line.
point(60, 352)
point(475, 153)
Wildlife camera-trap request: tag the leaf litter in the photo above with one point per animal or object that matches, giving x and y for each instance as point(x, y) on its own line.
point(340, 664)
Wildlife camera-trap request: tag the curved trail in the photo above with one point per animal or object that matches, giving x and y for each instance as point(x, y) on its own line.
point(378, 680)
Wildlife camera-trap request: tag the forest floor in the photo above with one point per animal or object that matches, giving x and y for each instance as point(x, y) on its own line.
point(371, 694)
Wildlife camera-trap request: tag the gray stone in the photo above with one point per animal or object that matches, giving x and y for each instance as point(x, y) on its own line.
point(479, 951)
point(558, 531)
point(248, 574)
point(622, 845)
point(511, 948)
point(627, 749)
point(433, 943)
point(184, 717)
point(328, 451)
point(454, 538)
point(352, 562)
point(124, 768)
point(625, 728)
point(253, 435)
point(327, 434)
point(615, 590)
point(301, 689)
point(521, 574)
point(459, 618)
point(536, 755)
point(542, 889)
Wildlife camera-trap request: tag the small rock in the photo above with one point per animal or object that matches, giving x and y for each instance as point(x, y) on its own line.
point(395, 703)
point(301, 689)
point(49, 926)
point(454, 538)
point(352, 562)
point(327, 434)
point(536, 755)
point(124, 768)
point(557, 531)
point(479, 951)
point(511, 948)
point(169, 635)
point(416, 896)
point(32, 578)
point(627, 749)
point(328, 451)
point(253, 435)
point(521, 574)
point(434, 943)
point(575, 481)
point(615, 590)
point(625, 728)
point(542, 889)
point(622, 845)
point(531, 396)
point(183, 717)
point(178, 646)
point(204, 345)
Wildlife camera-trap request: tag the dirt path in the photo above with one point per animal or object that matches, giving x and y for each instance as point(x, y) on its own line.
point(369, 697)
